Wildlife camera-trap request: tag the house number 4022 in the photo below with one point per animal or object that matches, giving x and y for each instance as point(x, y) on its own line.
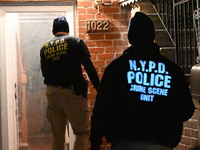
point(97, 25)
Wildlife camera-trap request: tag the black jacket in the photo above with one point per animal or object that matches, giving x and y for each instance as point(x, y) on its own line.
point(61, 60)
point(142, 96)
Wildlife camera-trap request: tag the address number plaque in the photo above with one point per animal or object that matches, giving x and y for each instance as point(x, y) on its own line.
point(97, 25)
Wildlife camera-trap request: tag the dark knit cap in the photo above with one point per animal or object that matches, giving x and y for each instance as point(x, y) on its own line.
point(60, 24)
point(141, 29)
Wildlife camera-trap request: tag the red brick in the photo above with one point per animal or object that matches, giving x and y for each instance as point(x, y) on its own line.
point(123, 29)
point(86, 17)
point(82, 36)
point(95, 36)
point(108, 61)
point(121, 43)
point(196, 114)
point(98, 69)
point(111, 10)
point(85, 4)
point(193, 124)
point(195, 133)
point(119, 16)
point(92, 89)
point(113, 36)
point(104, 43)
point(92, 11)
point(118, 29)
point(125, 35)
point(91, 95)
point(182, 147)
point(92, 102)
point(176, 148)
point(105, 56)
point(125, 47)
point(96, 50)
point(82, 23)
point(82, 30)
point(119, 23)
point(93, 56)
point(115, 3)
point(117, 55)
point(193, 141)
point(116, 49)
point(104, 16)
point(81, 10)
point(185, 140)
point(102, 69)
point(100, 75)
point(90, 43)
point(98, 63)
point(188, 132)
point(107, 1)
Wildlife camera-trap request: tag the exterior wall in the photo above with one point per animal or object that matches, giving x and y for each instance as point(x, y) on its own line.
point(107, 45)
point(103, 46)
point(190, 136)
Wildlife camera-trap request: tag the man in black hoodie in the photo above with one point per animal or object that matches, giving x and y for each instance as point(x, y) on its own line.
point(143, 98)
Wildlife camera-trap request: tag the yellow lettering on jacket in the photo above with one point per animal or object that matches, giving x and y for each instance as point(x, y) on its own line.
point(55, 49)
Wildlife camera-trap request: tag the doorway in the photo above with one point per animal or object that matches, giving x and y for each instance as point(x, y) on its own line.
point(23, 100)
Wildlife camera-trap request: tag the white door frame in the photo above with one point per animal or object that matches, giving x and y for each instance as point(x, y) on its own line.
point(5, 73)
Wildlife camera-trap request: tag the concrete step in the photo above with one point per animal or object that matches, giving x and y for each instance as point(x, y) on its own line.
point(146, 7)
point(168, 52)
point(163, 39)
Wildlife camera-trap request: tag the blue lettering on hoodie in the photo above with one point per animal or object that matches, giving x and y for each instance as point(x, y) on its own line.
point(148, 78)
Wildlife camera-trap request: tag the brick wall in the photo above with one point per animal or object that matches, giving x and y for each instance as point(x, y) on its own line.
point(104, 46)
point(190, 136)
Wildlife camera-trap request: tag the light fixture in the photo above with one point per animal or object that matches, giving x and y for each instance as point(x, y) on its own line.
point(99, 5)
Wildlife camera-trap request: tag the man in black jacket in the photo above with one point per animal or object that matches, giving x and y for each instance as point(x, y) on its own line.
point(61, 60)
point(143, 98)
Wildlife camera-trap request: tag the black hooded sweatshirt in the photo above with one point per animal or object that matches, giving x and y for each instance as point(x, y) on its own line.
point(143, 96)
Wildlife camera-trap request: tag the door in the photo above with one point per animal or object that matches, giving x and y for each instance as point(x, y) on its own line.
point(23, 100)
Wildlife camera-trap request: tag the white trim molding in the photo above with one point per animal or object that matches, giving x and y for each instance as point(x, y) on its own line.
point(124, 3)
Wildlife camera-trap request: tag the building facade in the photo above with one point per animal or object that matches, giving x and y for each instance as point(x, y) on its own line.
point(102, 24)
